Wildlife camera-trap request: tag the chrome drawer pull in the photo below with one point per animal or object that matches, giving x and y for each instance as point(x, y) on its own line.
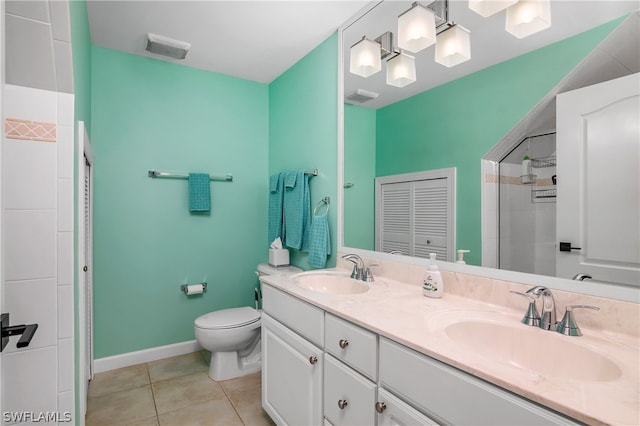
point(313, 360)
point(343, 343)
point(342, 404)
point(380, 407)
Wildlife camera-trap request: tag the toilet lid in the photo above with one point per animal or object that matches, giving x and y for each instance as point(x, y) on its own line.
point(228, 318)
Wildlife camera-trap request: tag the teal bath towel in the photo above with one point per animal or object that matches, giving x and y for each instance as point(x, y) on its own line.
point(199, 192)
point(276, 193)
point(297, 210)
point(319, 242)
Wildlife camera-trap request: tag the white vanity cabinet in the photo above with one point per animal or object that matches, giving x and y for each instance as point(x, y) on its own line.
point(292, 362)
point(318, 368)
point(451, 396)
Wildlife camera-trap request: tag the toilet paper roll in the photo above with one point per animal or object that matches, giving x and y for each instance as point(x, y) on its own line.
point(194, 289)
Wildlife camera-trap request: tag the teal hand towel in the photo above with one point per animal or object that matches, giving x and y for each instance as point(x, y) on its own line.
point(319, 242)
point(297, 210)
point(276, 193)
point(199, 192)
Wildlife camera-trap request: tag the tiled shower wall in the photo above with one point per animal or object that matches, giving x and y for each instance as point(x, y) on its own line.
point(37, 202)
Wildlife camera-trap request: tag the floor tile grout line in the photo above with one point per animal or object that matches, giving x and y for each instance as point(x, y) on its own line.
point(153, 393)
point(230, 402)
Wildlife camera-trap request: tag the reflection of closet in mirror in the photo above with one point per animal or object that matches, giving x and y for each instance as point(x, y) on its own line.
point(527, 208)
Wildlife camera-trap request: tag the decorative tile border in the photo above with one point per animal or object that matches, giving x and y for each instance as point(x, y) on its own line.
point(16, 128)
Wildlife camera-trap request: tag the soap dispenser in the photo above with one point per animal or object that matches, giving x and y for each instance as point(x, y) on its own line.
point(461, 256)
point(433, 285)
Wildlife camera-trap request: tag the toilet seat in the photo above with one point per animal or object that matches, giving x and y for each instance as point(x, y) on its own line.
point(228, 318)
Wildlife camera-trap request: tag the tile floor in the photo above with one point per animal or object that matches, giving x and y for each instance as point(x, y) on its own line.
point(174, 391)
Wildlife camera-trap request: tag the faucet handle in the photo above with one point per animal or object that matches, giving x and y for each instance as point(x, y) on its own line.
point(368, 276)
point(568, 325)
point(531, 317)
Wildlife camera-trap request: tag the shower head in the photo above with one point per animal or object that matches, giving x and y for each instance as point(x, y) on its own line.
point(166, 46)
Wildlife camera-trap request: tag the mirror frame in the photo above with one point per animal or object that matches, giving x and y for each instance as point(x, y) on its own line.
point(593, 288)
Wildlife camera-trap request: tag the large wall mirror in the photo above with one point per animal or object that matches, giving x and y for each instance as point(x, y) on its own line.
point(492, 120)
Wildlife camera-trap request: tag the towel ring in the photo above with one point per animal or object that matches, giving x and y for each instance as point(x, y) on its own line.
point(324, 202)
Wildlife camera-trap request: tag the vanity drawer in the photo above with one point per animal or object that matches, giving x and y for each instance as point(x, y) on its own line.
point(352, 344)
point(299, 316)
point(451, 396)
point(349, 398)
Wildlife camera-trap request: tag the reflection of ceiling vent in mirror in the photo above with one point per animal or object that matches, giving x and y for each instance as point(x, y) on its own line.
point(360, 96)
point(166, 46)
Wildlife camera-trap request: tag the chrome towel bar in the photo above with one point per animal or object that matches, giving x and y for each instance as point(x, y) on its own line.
point(156, 174)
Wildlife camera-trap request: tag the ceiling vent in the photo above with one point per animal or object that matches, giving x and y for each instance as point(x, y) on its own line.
point(360, 96)
point(166, 46)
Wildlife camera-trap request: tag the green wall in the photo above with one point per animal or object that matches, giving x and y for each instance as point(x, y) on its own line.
point(456, 124)
point(303, 107)
point(154, 115)
point(359, 140)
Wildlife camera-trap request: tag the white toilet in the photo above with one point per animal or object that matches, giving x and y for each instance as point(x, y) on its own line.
point(233, 335)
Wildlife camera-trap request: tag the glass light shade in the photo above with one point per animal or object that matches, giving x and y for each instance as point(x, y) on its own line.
point(528, 17)
point(453, 46)
point(401, 70)
point(490, 7)
point(416, 29)
point(365, 58)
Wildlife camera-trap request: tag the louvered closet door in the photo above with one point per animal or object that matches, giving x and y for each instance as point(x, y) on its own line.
point(430, 213)
point(395, 218)
point(415, 213)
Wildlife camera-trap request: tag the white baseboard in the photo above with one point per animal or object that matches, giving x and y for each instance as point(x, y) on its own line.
point(146, 355)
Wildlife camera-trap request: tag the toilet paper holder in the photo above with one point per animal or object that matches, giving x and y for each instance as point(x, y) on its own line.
point(185, 287)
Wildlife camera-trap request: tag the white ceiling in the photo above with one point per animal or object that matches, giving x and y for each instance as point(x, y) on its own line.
point(259, 40)
point(253, 40)
point(490, 43)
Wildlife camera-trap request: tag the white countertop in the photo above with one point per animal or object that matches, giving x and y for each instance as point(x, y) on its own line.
point(400, 312)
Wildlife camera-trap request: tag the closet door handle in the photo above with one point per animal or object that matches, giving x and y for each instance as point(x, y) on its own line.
point(313, 360)
point(342, 404)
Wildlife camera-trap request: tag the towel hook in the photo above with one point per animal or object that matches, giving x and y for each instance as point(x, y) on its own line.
point(325, 201)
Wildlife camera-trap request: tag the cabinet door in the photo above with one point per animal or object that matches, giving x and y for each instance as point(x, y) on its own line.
point(393, 411)
point(349, 398)
point(291, 376)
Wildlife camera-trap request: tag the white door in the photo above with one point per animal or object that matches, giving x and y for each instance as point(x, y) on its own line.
point(415, 213)
point(598, 203)
point(85, 264)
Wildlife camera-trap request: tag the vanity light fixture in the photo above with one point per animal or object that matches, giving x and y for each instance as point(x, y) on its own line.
point(365, 58)
point(453, 46)
point(528, 17)
point(401, 70)
point(416, 28)
point(487, 8)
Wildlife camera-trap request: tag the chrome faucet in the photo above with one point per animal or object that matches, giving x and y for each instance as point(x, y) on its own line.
point(548, 313)
point(358, 265)
point(581, 277)
point(360, 270)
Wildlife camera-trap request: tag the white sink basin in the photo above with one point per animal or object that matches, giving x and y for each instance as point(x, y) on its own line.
point(329, 282)
point(548, 353)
